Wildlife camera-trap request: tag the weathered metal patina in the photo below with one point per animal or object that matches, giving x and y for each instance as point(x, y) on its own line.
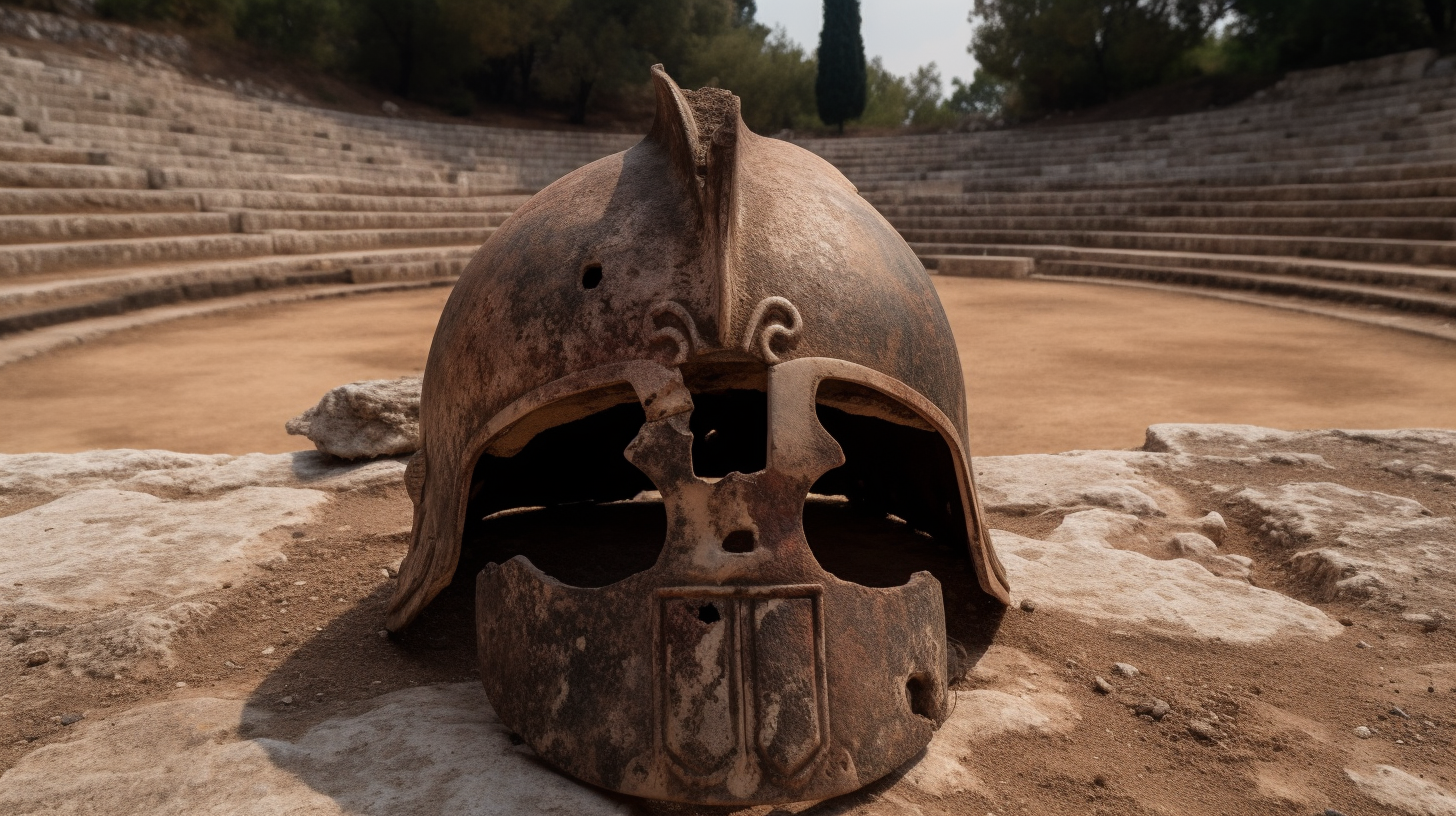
point(704, 270)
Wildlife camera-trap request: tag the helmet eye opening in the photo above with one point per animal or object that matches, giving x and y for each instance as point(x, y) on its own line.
point(568, 501)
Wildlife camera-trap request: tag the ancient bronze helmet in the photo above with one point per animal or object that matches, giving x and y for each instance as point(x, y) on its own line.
point(707, 280)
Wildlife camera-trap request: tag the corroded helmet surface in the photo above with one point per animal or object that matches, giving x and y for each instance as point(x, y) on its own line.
point(719, 317)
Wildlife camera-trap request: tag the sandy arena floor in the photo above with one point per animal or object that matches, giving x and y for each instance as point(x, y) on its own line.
point(1049, 367)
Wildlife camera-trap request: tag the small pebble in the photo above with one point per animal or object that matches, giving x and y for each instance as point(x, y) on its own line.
point(1100, 780)
point(37, 659)
point(1400, 712)
point(1156, 709)
point(1101, 686)
point(1125, 669)
point(1362, 645)
point(72, 719)
point(1333, 812)
point(384, 633)
point(1364, 732)
point(181, 684)
point(288, 700)
point(299, 583)
point(232, 665)
point(1028, 605)
point(268, 650)
point(1428, 723)
point(1400, 742)
point(1203, 729)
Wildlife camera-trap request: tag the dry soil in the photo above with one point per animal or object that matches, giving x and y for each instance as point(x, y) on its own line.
point(1049, 367)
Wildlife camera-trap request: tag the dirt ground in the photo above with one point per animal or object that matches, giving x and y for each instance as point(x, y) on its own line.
point(302, 642)
point(1049, 367)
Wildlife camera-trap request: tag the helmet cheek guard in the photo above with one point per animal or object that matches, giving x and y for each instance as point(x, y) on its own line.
point(707, 272)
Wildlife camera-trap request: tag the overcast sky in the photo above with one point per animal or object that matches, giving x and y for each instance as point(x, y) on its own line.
point(906, 33)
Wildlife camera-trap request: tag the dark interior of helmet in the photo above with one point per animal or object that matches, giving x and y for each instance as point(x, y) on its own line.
point(571, 502)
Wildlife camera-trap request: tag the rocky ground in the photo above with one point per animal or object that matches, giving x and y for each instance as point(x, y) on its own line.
point(1230, 620)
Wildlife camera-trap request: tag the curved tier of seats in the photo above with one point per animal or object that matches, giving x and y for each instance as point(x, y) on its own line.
point(1337, 186)
point(125, 187)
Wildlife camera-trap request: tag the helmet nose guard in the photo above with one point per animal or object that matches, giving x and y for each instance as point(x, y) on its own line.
point(715, 676)
point(735, 670)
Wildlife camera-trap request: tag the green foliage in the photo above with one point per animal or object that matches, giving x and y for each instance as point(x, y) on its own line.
point(985, 96)
point(914, 100)
point(768, 71)
point(293, 27)
point(188, 12)
point(1279, 35)
point(1070, 53)
point(574, 54)
point(1041, 55)
point(841, 84)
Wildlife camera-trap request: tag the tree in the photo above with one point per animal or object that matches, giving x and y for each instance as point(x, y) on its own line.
point(1273, 36)
point(839, 88)
point(1061, 54)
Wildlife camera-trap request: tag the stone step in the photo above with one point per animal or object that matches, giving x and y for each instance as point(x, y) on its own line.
point(35, 229)
point(978, 266)
point(72, 175)
point(26, 260)
point(1417, 229)
point(1421, 253)
point(300, 183)
point(338, 202)
point(314, 243)
point(34, 305)
point(48, 154)
point(15, 201)
point(1434, 279)
point(267, 221)
point(951, 193)
point(1390, 297)
point(75, 258)
point(1415, 208)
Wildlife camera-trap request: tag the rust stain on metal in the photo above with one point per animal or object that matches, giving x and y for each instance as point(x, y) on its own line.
point(735, 670)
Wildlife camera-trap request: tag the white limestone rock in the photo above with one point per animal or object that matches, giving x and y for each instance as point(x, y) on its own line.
point(120, 640)
point(363, 420)
point(1085, 576)
point(1267, 443)
point(1201, 549)
point(1015, 693)
point(1406, 793)
point(1360, 544)
point(95, 548)
point(55, 474)
point(1066, 482)
point(430, 750)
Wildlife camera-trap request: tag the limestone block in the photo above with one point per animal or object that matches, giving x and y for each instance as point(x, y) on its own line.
point(94, 548)
point(1404, 792)
point(1360, 544)
point(1086, 577)
point(55, 474)
point(1037, 483)
point(364, 419)
point(430, 750)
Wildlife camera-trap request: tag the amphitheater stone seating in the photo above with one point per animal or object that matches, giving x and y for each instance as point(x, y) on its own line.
point(125, 185)
point(1336, 185)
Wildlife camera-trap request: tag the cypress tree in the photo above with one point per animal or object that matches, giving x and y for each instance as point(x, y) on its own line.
point(839, 89)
